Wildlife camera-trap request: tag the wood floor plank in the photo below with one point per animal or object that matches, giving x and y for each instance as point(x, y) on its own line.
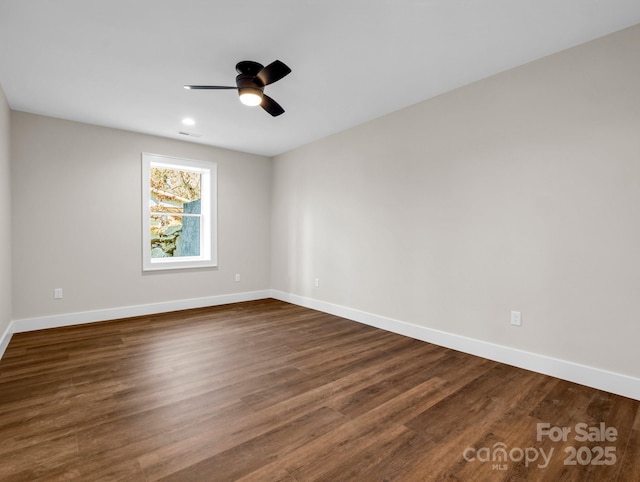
point(629, 468)
point(269, 391)
point(40, 459)
point(340, 446)
point(249, 456)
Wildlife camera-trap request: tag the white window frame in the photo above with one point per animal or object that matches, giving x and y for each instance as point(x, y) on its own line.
point(208, 228)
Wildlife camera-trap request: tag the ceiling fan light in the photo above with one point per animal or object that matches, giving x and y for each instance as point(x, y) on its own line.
point(250, 96)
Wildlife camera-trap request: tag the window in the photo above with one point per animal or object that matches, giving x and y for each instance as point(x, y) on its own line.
point(178, 213)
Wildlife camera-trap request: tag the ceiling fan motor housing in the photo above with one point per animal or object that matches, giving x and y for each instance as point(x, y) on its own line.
point(249, 82)
point(249, 67)
point(246, 80)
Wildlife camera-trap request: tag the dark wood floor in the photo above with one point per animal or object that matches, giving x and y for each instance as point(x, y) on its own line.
point(268, 391)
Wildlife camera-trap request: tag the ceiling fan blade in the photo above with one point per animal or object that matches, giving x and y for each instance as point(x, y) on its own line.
point(273, 72)
point(216, 87)
point(271, 106)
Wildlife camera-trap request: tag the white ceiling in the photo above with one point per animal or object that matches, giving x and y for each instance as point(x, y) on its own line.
point(122, 63)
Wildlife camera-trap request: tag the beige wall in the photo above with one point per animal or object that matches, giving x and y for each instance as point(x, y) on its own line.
point(5, 215)
point(77, 220)
point(518, 192)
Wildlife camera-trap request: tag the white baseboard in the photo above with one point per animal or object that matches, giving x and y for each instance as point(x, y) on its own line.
point(78, 318)
point(5, 339)
point(592, 377)
point(68, 319)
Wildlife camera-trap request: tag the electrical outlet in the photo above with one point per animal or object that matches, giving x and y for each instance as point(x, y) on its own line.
point(516, 318)
point(57, 294)
point(316, 282)
point(237, 277)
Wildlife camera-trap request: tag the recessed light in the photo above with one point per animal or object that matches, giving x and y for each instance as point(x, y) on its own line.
point(188, 121)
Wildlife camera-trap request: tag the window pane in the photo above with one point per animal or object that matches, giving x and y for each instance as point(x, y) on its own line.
point(174, 190)
point(175, 236)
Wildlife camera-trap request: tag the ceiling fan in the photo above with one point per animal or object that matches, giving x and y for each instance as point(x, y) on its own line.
point(250, 82)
